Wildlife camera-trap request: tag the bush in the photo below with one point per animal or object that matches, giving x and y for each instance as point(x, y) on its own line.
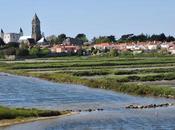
point(89, 73)
point(10, 51)
point(113, 53)
point(13, 44)
point(22, 52)
point(126, 54)
point(35, 52)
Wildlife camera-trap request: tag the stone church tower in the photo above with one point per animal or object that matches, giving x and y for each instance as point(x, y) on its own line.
point(36, 31)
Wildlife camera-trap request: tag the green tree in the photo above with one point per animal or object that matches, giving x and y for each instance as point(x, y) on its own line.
point(170, 39)
point(112, 38)
point(35, 51)
point(160, 37)
point(113, 52)
point(10, 51)
point(44, 52)
point(104, 39)
point(22, 52)
point(52, 39)
point(61, 38)
point(82, 37)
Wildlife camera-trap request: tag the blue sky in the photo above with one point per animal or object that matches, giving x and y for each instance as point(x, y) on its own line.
point(92, 17)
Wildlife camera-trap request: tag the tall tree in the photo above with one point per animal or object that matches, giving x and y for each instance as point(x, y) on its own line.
point(61, 38)
point(52, 39)
point(81, 37)
point(111, 38)
point(104, 39)
point(170, 39)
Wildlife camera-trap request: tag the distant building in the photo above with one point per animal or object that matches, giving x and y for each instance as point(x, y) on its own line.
point(152, 47)
point(43, 43)
point(171, 49)
point(36, 36)
point(11, 37)
point(18, 37)
point(65, 49)
point(27, 40)
point(36, 31)
point(103, 46)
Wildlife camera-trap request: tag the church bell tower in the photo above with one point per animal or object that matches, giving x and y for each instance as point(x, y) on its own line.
point(36, 31)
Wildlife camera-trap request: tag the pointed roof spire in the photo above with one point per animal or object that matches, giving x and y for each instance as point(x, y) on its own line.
point(35, 17)
point(2, 31)
point(20, 29)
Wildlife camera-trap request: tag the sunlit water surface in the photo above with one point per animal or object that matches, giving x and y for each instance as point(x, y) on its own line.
point(16, 91)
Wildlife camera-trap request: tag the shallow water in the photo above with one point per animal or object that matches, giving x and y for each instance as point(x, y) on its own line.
point(16, 91)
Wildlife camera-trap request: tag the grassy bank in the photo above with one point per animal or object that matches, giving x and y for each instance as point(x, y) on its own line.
point(14, 113)
point(111, 84)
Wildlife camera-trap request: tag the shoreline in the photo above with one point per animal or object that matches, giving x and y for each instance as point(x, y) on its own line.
point(6, 123)
point(88, 84)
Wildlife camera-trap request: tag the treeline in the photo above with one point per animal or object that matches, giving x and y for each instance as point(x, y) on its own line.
point(107, 39)
point(112, 39)
point(133, 38)
point(143, 38)
point(62, 37)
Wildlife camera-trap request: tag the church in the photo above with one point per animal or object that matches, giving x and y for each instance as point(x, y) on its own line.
point(18, 37)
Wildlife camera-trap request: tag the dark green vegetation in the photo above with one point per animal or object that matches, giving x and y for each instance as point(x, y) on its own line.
point(133, 38)
point(127, 75)
point(144, 38)
point(22, 50)
point(53, 39)
point(13, 113)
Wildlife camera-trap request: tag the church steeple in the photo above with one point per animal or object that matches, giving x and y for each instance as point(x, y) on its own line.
point(21, 32)
point(36, 31)
point(35, 18)
point(2, 33)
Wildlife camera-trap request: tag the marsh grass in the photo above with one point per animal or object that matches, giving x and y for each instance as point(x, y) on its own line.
point(13, 113)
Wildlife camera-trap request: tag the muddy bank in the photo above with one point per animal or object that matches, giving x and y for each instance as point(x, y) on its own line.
point(4, 123)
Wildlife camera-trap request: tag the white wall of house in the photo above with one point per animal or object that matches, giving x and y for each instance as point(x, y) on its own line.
point(152, 47)
point(164, 46)
point(172, 52)
point(11, 37)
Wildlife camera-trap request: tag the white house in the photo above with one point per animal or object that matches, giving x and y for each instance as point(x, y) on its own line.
point(103, 46)
point(11, 37)
point(152, 47)
point(165, 45)
point(172, 50)
point(42, 42)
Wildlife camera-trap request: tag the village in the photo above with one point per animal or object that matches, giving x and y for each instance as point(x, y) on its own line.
point(87, 65)
point(37, 43)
